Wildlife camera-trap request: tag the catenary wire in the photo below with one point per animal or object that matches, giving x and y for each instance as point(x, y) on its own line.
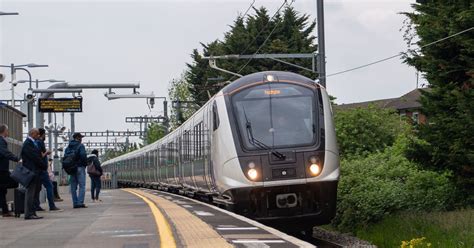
point(266, 39)
point(251, 5)
point(400, 54)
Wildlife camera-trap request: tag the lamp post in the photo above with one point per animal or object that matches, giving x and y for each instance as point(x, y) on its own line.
point(13, 69)
point(31, 99)
point(40, 81)
point(30, 95)
point(56, 130)
point(150, 100)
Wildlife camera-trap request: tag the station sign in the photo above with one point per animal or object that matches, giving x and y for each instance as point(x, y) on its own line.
point(53, 105)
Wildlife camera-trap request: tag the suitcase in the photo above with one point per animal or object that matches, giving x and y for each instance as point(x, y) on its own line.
point(19, 202)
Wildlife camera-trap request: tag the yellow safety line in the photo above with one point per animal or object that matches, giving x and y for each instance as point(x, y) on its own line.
point(164, 228)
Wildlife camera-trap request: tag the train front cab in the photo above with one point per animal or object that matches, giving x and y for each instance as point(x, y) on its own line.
point(285, 143)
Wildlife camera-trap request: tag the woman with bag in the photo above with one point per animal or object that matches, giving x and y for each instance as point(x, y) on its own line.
point(95, 172)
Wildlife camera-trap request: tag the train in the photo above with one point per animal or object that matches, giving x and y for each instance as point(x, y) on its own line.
point(264, 147)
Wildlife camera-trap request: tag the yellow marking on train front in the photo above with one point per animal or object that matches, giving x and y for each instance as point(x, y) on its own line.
point(164, 228)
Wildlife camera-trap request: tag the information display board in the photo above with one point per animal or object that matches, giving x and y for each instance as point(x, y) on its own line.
point(60, 105)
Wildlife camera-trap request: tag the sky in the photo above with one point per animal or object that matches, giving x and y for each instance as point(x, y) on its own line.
point(149, 42)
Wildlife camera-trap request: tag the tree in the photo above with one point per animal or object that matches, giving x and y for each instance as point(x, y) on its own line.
point(179, 91)
point(449, 68)
point(113, 153)
point(292, 35)
point(362, 131)
point(155, 131)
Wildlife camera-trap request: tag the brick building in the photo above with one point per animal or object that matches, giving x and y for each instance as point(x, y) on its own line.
point(406, 105)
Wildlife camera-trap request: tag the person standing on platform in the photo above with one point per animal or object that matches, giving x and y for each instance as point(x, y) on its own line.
point(79, 178)
point(57, 198)
point(32, 160)
point(93, 160)
point(5, 157)
point(44, 176)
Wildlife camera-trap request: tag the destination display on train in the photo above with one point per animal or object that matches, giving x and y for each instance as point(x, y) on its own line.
point(60, 105)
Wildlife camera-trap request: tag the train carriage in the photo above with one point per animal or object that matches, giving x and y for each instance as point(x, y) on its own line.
point(263, 146)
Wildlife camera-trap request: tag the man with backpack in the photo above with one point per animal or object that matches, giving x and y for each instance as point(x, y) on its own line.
point(95, 172)
point(74, 163)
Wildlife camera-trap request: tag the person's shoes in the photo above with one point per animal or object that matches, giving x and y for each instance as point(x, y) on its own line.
point(77, 206)
point(83, 206)
point(9, 214)
point(56, 209)
point(39, 209)
point(99, 200)
point(58, 200)
point(33, 217)
point(93, 200)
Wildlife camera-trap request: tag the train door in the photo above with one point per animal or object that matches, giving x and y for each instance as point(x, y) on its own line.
point(179, 160)
point(163, 164)
point(207, 130)
point(215, 122)
point(156, 165)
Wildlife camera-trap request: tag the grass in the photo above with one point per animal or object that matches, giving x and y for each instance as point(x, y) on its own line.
point(440, 229)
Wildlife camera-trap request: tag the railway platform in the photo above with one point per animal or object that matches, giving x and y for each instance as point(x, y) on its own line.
point(141, 218)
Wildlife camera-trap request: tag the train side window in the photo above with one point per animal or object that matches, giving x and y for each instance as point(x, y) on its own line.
point(215, 117)
point(197, 140)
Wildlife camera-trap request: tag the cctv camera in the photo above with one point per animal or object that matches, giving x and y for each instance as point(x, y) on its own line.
point(2, 77)
point(152, 102)
point(30, 96)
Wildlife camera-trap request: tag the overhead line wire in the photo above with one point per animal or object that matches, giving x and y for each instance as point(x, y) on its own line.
point(251, 5)
point(263, 29)
point(400, 54)
point(266, 39)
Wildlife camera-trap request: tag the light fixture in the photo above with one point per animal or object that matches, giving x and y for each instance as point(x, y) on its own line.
point(252, 173)
point(314, 169)
point(251, 165)
point(270, 78)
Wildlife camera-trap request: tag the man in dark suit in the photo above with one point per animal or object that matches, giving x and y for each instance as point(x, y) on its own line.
point(33, 160)
point(44, 176)
point(5, 180)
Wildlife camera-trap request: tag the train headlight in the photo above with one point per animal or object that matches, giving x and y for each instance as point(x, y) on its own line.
point(251, 165)
point(314, 169)
point(313, 160)
point(252, 173)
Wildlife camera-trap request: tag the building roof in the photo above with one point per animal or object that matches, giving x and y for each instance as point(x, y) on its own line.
point(3, 105)
point(408, 101)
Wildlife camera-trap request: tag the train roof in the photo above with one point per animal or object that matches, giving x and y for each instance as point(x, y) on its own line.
point(280, 76)
point(254, 78)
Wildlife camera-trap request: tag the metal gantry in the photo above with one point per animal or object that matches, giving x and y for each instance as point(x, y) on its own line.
point(318, 58)
point(111, 133)
point(102, 144)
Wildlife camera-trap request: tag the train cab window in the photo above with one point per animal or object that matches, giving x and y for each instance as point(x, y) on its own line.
point(215, 117)
point(277, 115)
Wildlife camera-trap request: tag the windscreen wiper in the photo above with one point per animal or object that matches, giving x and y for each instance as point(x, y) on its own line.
point(258, 143)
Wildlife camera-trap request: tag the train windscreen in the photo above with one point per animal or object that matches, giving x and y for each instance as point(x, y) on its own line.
point(275, 115)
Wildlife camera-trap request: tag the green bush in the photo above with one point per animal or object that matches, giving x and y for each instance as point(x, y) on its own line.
point(362, 131)
point(384, 183)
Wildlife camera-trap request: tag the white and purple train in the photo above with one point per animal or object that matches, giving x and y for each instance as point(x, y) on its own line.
point(264, 146)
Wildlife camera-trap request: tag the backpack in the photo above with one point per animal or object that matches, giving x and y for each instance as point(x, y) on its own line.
point(69, 161)
point(91, 169)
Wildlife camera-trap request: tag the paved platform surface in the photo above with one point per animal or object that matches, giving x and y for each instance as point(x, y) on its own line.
point(140, 218)
point(120, 220)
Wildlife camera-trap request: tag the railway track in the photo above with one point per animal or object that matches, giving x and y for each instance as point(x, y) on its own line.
point(317, 241)
point(320, 243)
point(325, 244)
